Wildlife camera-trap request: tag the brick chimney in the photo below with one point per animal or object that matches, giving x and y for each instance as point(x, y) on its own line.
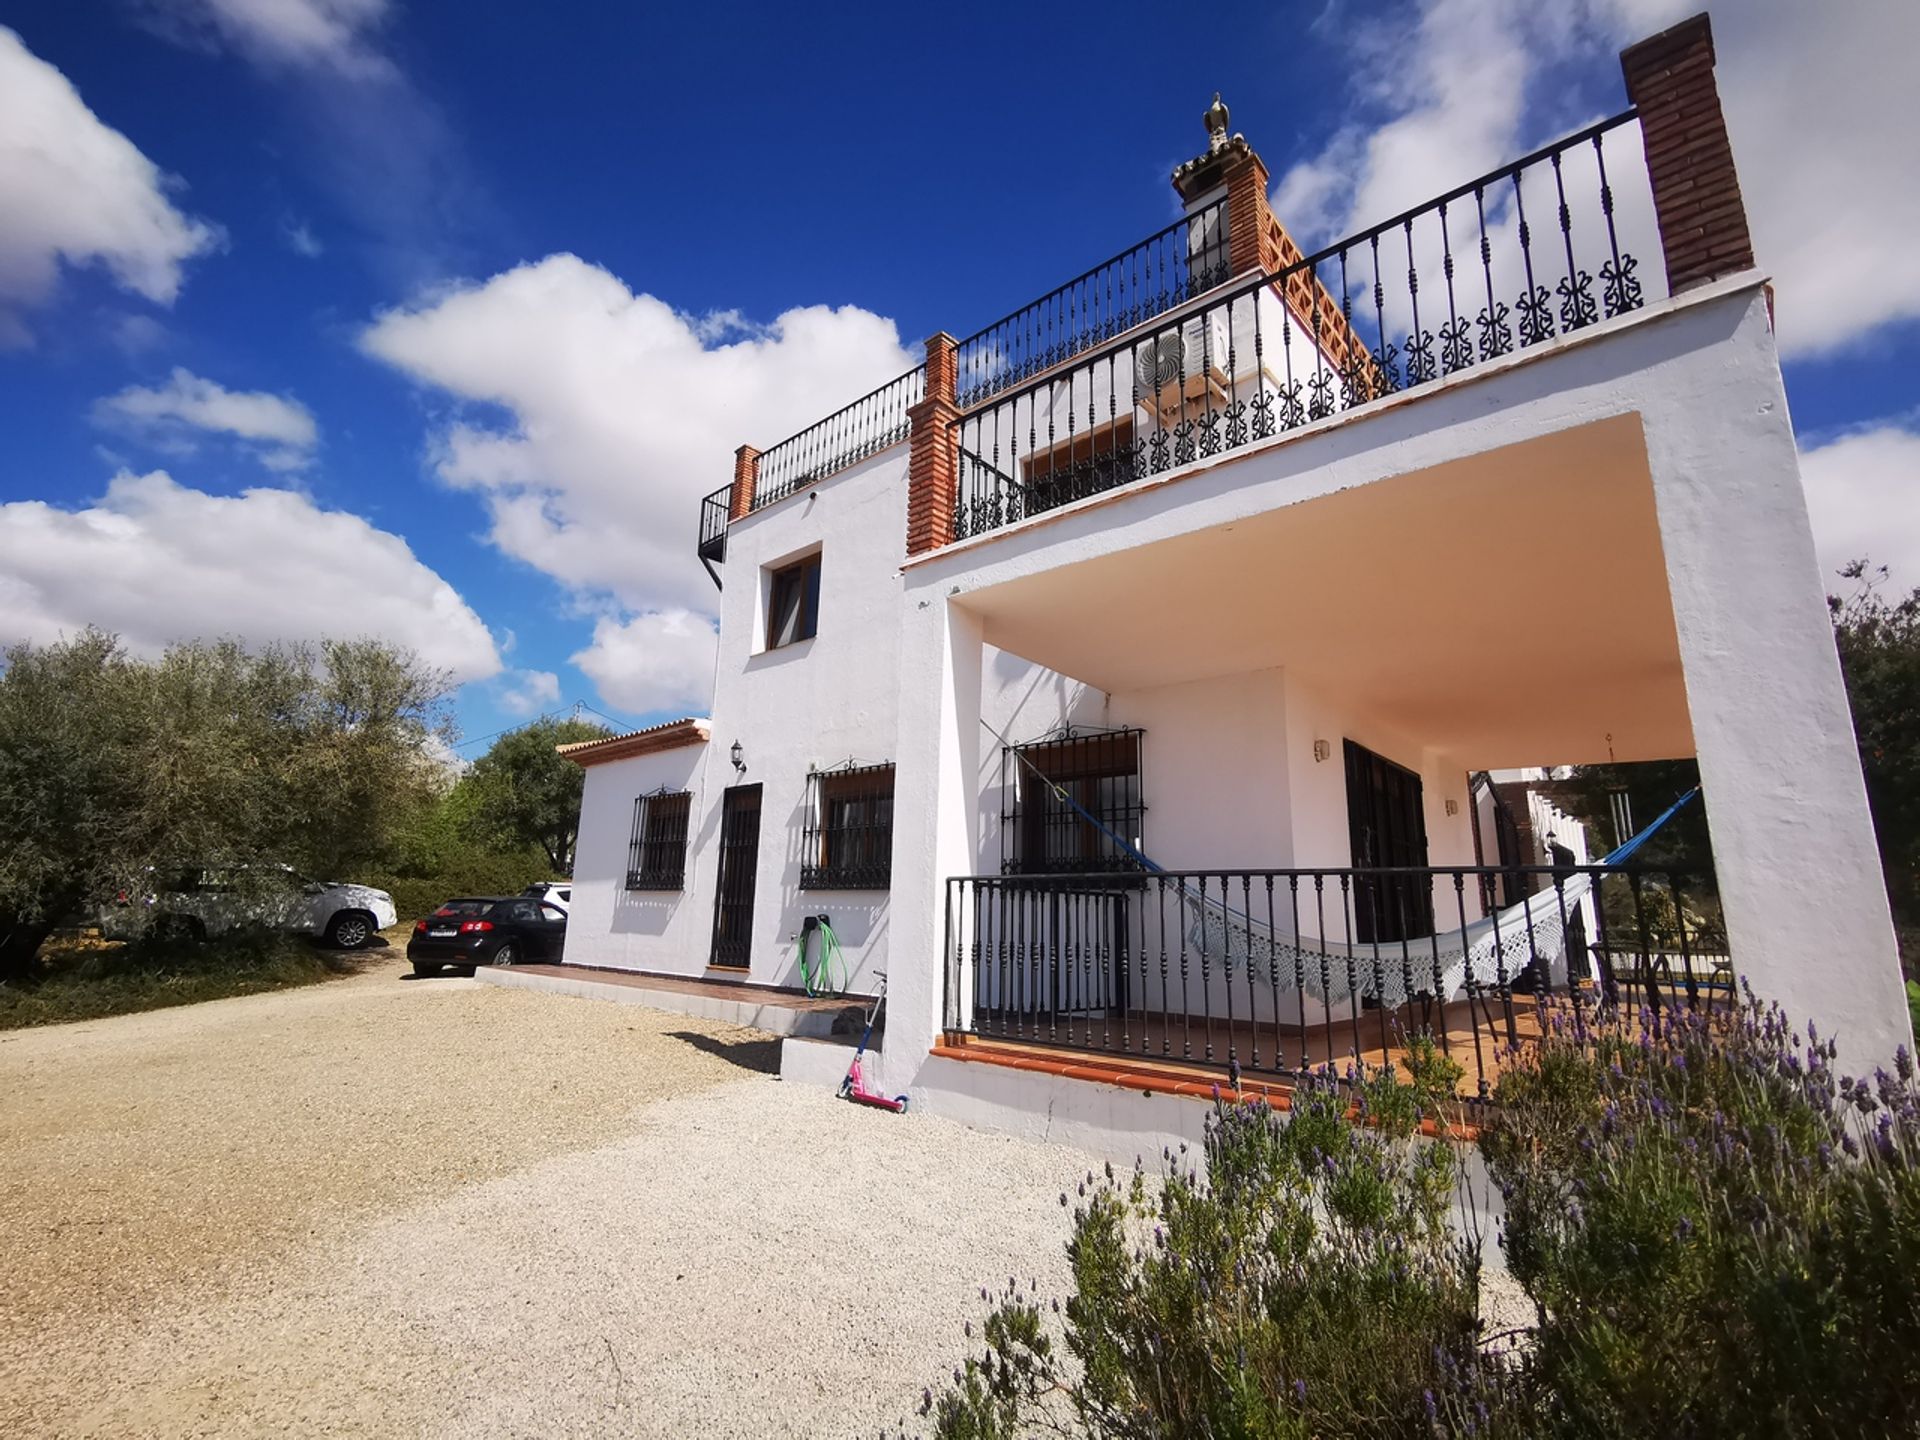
point(1696, 193)
point(1230, 163)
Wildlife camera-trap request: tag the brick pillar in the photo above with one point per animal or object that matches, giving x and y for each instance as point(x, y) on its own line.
point(1249, 220)
point(933, 461)
point(1696, 193)
point(746, 477)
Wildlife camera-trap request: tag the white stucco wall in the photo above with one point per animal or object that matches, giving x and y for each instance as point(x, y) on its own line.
point(635, 929)
point(1798, 869)
point(903, 669)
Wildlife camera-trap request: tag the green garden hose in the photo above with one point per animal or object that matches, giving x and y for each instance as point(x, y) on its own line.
point(818, 979)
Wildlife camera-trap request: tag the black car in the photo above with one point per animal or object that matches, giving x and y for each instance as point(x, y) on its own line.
point(487, 930)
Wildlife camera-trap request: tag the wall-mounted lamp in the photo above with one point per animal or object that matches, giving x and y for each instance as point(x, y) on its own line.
point(1321, 750)
point(739, 758)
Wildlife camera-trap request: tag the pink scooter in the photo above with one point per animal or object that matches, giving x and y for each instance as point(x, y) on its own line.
point(854, 1087)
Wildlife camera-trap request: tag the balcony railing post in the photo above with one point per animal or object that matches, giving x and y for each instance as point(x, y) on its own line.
point(746, 478)
point(933, 460)
point(1696, 191)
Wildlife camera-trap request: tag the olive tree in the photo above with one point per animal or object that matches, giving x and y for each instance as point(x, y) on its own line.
point(312, 756)
point(526, 793)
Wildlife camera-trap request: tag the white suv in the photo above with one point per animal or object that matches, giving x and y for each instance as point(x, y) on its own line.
point(557, 893)
point(195, 901)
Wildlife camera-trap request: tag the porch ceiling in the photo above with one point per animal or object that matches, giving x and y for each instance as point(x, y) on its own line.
point(1508, 609)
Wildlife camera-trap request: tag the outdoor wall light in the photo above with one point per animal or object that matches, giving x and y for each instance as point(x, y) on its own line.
point(739, 758)
point(1321, 750)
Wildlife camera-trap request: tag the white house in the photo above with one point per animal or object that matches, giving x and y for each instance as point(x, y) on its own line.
point(1116, 679)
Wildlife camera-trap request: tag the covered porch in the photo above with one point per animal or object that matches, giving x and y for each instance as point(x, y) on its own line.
point(1293, 702)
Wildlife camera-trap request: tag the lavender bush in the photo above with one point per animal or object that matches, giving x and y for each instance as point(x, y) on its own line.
point(1301, 1280)
point(1721, 1232)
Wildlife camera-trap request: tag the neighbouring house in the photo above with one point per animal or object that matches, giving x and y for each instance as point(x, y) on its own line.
point(1153, 683)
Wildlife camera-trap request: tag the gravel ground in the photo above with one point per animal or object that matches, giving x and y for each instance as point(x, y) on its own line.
point(438, 1208)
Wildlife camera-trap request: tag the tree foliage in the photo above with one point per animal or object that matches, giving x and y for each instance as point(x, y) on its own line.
point(525, 793)
point(1879, 643)
point(313, 756)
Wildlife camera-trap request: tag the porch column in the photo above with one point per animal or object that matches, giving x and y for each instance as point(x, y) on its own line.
point(936, 797)
point(1793, 842)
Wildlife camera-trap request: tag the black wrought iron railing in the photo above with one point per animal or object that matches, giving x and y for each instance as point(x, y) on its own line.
point(1262, 971)
point(1168, 268)
point(1543, 247)
point(869, 425)
point(714, 510)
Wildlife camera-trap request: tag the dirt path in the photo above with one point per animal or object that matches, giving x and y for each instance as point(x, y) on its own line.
point(393, 1207)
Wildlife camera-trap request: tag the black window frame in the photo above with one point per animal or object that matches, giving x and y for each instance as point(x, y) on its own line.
point(657, 847)
point(1104, 770)
point(793, 598)
point(847, 843)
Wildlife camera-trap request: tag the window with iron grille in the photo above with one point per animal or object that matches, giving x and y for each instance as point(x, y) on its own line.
point(849, 834)
point(1041, 833)
point(657, 852)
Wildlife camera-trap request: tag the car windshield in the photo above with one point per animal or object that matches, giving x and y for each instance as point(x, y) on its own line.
point(457, 908)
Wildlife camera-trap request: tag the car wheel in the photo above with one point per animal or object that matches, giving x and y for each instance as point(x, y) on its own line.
point(350, 930)
point(507, 954)
point(425, 967)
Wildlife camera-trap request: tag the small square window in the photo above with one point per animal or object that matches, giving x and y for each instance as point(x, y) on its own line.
point(793, 602)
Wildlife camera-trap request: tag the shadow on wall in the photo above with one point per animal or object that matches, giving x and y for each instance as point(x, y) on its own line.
point(645, 912)
point(760, 1054)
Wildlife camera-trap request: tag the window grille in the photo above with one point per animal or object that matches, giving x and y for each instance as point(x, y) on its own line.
point(1041, 834)
point(849, 833)
point(657, 851)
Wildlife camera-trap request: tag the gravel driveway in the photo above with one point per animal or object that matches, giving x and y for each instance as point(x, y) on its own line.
point(388, 1207)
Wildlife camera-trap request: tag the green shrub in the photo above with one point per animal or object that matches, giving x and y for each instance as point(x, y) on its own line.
point(1304, 1281)
point(80, 979)
point(1722, 1234)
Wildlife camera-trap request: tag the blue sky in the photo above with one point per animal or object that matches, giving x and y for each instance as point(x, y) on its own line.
point(434, 320)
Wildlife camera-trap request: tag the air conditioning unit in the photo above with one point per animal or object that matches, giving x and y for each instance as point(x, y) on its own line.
point(1196, 353)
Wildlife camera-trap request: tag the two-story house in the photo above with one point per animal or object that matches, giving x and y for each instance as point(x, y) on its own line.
point(1115, 679)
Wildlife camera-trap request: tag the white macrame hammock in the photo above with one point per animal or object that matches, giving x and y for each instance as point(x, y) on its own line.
point(1492, 951)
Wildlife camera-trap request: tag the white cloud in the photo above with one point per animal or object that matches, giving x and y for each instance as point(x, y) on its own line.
point(1823, 171)
point(1860, 490)
point(158, 561)
point(278, 429)
point(619, 414)
point(326, 33)
point(75, 191)
point(653, 662)
point(528, 692)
